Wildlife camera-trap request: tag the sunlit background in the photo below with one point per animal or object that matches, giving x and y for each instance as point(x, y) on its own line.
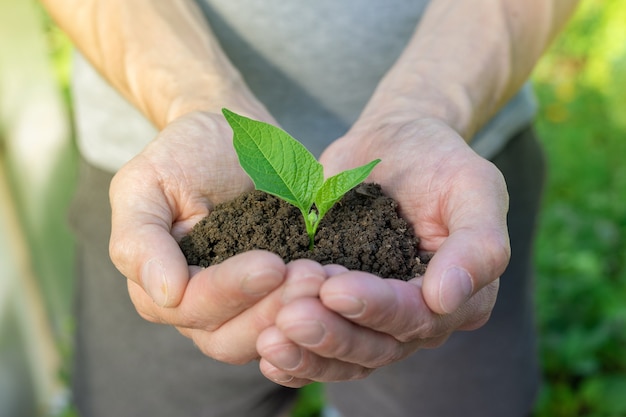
point(580, 250)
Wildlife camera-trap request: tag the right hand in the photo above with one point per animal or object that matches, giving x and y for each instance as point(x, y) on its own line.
point(356, 322)
point(156, 198)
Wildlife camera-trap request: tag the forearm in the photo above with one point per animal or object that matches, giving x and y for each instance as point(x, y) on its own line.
point(160, 55)
point(467, 58)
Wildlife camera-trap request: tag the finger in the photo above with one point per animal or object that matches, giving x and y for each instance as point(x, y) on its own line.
point(389, 306)
point(219, 293)
point(235, 341)
point(398, 308)
point(304, 279)
point(477, 310)
point(334, 269)
point(309, 324)
point(281, 377)
point(468, 260)
point(289, 364)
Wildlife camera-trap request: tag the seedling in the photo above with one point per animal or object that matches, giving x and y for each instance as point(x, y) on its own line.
point(280, 165)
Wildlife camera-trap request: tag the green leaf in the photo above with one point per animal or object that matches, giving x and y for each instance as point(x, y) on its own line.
point(280, 165)
point(277, 163)
point(336, 186)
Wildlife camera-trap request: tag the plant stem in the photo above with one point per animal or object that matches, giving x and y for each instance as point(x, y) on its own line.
point(311, 220)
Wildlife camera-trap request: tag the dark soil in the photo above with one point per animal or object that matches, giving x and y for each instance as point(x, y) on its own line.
point(361, 232)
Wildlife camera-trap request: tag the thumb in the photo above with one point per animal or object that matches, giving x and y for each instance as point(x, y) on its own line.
point(141, 245)
point(466, 262)
point(477, 249)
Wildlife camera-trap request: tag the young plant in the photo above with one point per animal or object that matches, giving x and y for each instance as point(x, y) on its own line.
point(280, 165)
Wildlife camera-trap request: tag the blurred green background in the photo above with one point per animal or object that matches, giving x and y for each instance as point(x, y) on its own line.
point(580, 248)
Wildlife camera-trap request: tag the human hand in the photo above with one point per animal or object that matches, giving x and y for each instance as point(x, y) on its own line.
point(156, 198)
point(457, 204)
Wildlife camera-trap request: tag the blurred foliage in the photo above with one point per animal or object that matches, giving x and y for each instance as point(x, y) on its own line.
point(581, 286)
point(310, 401)
point(61, 50)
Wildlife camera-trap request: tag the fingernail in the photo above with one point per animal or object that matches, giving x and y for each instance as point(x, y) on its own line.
point(154, 281)
point(346, 305)
point(306, 333)
point(260, 283)
point(283, 379)
point(286, 357)
point(455, 288)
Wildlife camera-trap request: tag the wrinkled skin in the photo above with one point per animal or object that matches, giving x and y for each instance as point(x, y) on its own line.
point(253, 306)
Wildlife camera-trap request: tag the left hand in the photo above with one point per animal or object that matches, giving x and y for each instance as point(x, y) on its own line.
point(356, 322)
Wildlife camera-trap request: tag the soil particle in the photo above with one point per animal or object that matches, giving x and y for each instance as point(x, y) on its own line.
point(361, 232)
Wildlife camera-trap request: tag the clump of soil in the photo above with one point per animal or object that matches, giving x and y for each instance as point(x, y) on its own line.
point(361, 232)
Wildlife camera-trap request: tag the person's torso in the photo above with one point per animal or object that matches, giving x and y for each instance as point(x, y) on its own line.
point(313, 64)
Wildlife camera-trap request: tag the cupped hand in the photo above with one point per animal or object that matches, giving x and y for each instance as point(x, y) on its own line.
point(455, 200)
point(457, 203)
point(156, 198)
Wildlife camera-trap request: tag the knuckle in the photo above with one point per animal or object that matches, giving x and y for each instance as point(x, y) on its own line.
point(115, 251)
point(332, 346)
point(193, 322)
point(493, 172)
point(191, 319)
point(311, 367)
point(120, 253)
point(498, 250)
point(425, 329)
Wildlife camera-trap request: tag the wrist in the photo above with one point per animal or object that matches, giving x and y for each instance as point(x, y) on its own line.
point(232, 94)
point(397, 100)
